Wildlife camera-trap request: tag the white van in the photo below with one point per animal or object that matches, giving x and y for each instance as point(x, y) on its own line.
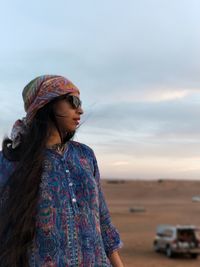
point(178, 239)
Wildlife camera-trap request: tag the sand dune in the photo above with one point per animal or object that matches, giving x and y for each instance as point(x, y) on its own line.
point(152, 203)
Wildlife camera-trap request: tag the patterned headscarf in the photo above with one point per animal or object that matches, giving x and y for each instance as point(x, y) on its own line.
point(37, 94)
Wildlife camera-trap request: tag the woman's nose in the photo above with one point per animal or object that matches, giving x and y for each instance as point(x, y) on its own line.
point(80, 110)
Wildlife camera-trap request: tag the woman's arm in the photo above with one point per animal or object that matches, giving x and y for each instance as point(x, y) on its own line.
point(115, 259)
point(110, 234)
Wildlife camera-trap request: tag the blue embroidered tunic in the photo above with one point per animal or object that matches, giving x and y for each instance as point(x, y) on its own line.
point(73, 224)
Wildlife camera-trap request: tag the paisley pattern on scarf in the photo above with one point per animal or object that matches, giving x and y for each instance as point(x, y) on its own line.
point(73, 224)
point(42, 90)
point(36, 94)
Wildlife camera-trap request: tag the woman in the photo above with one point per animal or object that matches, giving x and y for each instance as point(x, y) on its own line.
point(52, 209)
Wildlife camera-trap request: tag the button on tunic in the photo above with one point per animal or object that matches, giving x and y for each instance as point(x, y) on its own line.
point(73, 224)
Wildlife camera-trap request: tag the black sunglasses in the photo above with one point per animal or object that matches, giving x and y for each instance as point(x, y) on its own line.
point(74, 101)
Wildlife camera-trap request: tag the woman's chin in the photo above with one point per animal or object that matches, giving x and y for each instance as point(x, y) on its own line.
point(71, 130)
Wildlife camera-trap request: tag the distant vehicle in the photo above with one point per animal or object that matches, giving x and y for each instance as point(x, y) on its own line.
point(196, 199)
point(177, 239)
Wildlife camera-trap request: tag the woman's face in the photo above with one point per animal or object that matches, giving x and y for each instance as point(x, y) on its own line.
point(68, 117)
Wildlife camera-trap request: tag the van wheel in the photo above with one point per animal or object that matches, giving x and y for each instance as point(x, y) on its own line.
point(156, 247)
point(169, 252)
point(194, 256)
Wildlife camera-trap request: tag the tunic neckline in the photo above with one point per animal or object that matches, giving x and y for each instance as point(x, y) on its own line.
point(52, 150)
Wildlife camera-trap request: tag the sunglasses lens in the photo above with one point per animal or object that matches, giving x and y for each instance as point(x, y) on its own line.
point(74, 101)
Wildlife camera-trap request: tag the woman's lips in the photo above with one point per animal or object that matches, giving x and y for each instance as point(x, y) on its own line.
point(77, 121)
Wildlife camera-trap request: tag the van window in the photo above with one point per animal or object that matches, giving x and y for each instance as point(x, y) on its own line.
point(186, 235)
point(168, 233)
point(197, 233)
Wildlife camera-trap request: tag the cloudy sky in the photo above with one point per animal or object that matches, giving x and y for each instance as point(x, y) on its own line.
point(137, 64)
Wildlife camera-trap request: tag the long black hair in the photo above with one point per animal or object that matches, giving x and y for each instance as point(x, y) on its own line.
point(17, 216)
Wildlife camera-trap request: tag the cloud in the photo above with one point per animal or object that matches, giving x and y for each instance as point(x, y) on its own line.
point(161, 95)
point(169, 130)
point(151, 116)
point(120, 163)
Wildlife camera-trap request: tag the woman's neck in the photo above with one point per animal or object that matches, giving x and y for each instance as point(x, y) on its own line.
point(54, 142)
point(54, 138)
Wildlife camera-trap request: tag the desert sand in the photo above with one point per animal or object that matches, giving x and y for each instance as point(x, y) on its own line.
point(156, 202)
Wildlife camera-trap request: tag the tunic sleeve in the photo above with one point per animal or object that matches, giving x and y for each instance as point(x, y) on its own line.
point(110, 234)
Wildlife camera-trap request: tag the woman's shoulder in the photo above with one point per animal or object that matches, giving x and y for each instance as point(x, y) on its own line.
point(3, 160)
point(82, 148)
point(6, 168)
